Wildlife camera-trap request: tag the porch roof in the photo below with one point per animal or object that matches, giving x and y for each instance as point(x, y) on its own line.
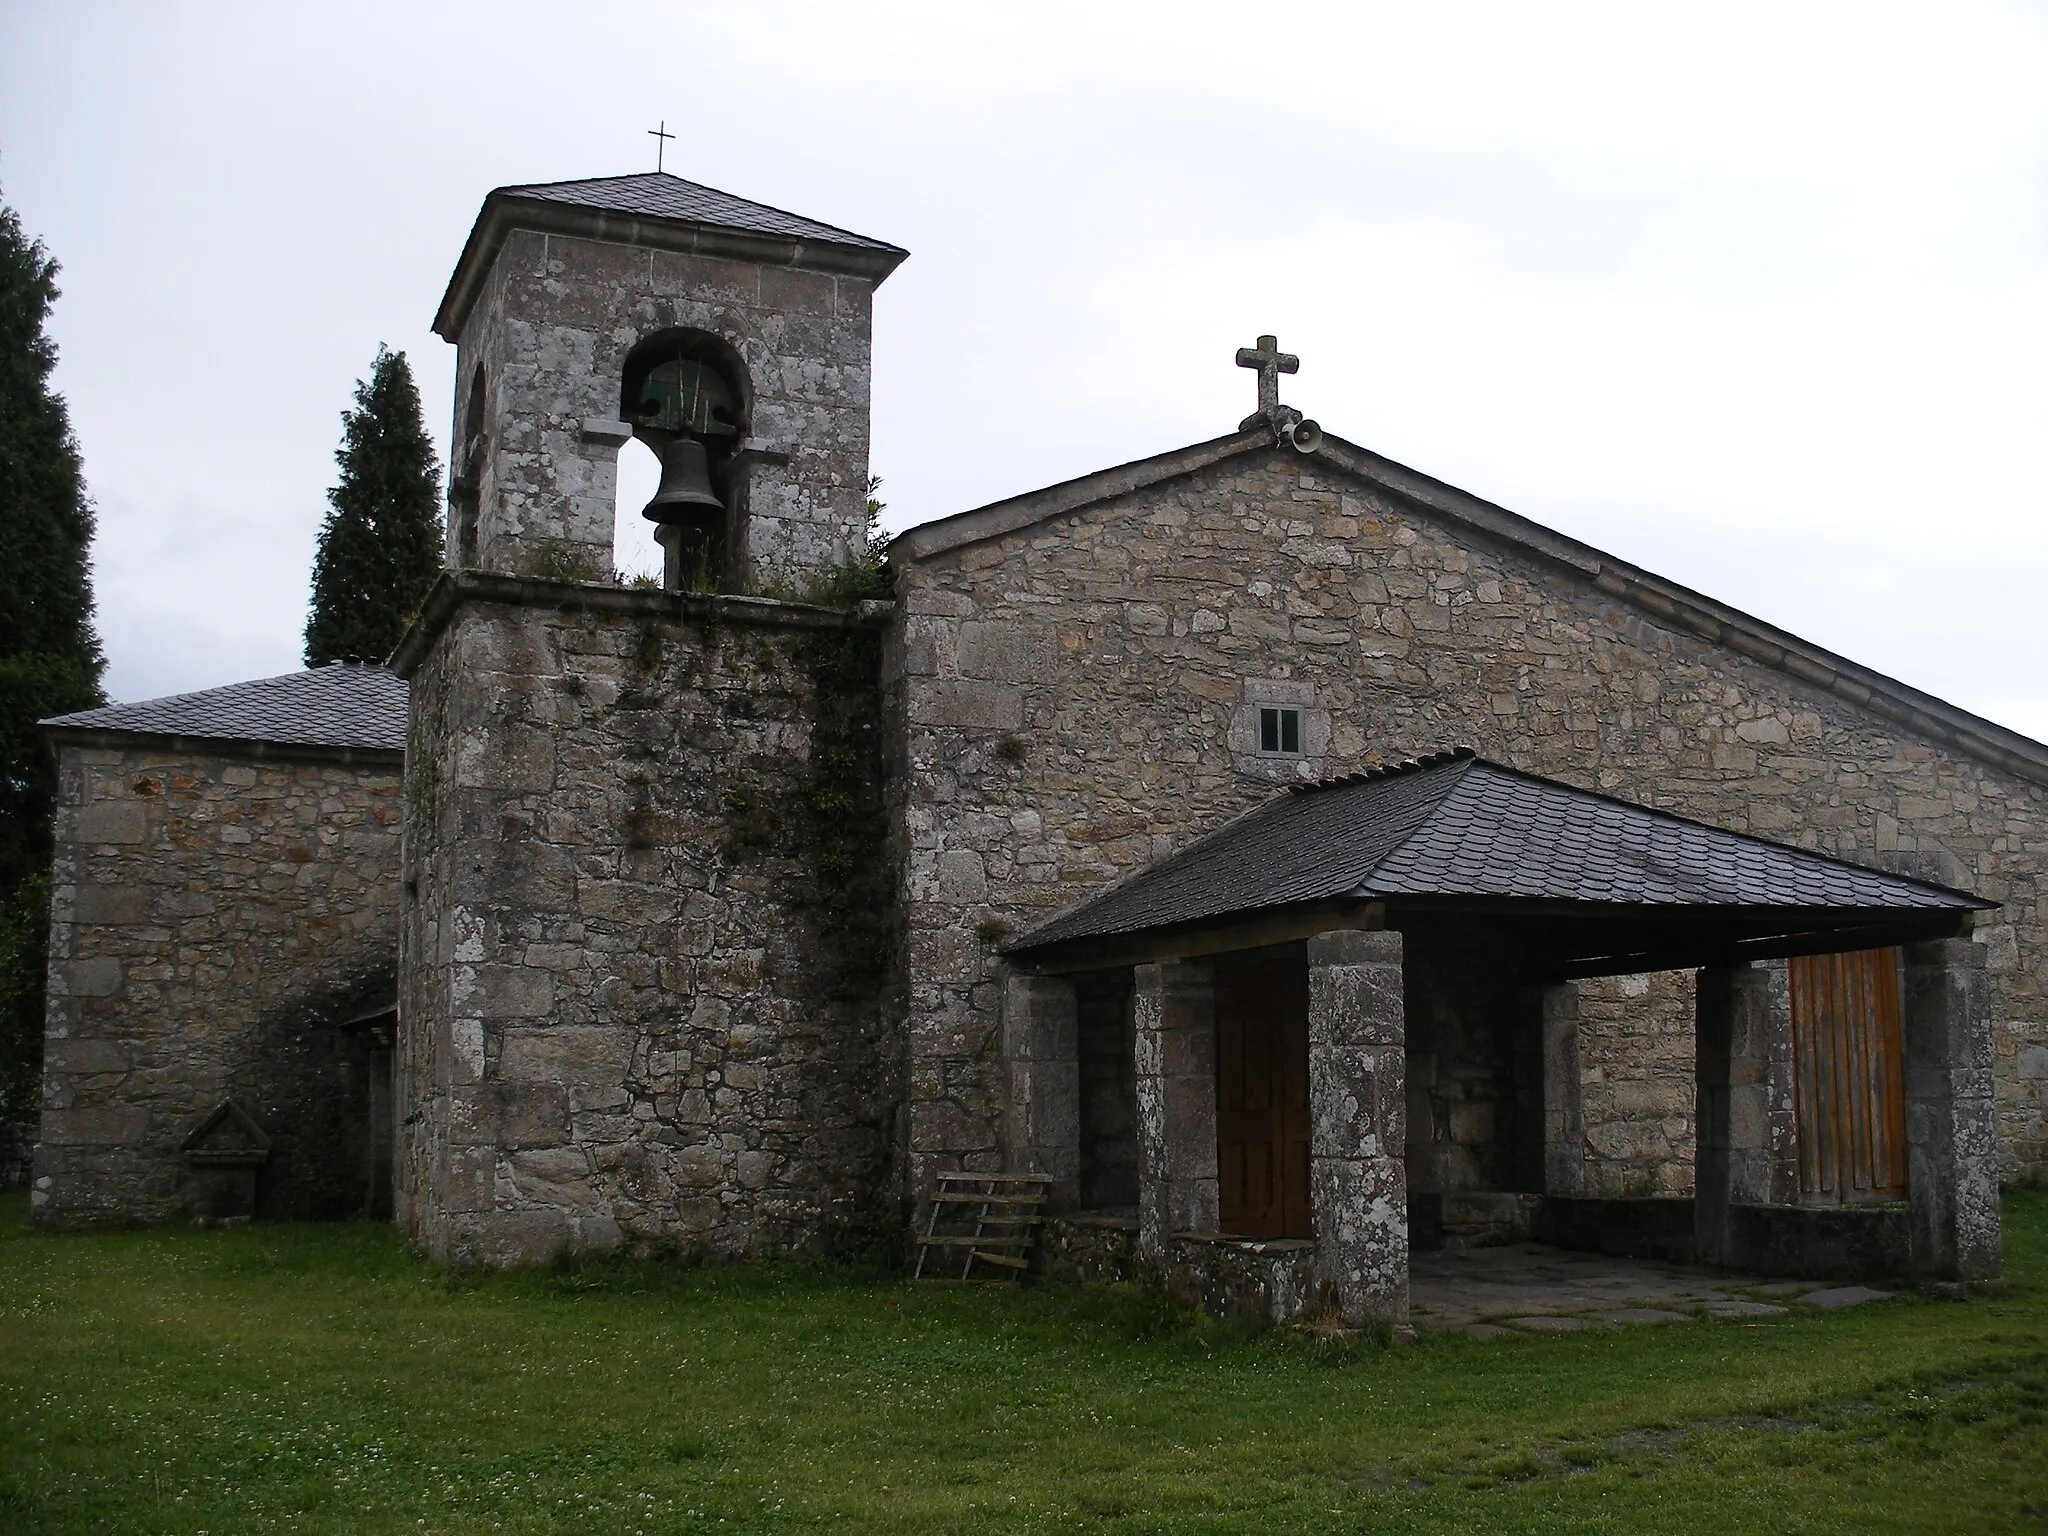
point(1598, 884)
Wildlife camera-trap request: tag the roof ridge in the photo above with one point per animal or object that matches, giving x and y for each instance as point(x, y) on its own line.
point(1434, 759)
point(200, 693)
point(853, 236)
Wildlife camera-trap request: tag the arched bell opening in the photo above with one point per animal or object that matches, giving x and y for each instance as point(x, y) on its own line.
point(465, 502)
point(684, 393)
point(636, 555)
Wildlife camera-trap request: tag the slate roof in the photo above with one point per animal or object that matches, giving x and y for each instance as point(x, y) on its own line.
point(1456, 825)
point(348, 705)
point(659, 195)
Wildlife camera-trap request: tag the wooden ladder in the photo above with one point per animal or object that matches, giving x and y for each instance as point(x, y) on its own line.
point(1004, 1208)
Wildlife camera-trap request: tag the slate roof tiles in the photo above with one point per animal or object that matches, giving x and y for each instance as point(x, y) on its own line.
point(344, 706)
point(1456, 825)
point(658, 195)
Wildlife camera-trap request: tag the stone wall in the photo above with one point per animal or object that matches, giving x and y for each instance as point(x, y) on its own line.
point(548, 336)
point(214, 918)
point(1475, 1066)
point(647, 974)
point(1080, 697)
point(1636, 1075)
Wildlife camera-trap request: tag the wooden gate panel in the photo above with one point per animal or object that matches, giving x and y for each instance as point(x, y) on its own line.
point(1262, 1120)
point(1849, 1070)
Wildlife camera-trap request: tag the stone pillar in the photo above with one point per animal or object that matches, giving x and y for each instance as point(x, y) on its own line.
point(1951, 1135)
point(1357, 1075)
point(1564, 1119)
point(1781, 1132)
point(1174, 1008)
point(1736, 1095)
point(1042, 1060)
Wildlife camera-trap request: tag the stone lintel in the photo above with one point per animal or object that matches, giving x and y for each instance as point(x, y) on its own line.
point(1258, 931)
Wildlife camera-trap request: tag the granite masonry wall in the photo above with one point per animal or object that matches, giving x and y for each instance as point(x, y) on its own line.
point(647, 965)
point(215, 918)
point(535, 467)
point(1474, 1066)
point(1080, 696)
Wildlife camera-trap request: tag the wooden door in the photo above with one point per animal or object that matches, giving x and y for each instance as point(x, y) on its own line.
point(1848, 1063)
point(1262, 1122)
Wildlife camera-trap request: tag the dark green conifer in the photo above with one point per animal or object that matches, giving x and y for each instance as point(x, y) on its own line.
point(50, 660)
point(380, 548)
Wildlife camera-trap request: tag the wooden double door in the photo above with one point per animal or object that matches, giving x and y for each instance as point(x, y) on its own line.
point(1848, 1068)
point(1262, 1116)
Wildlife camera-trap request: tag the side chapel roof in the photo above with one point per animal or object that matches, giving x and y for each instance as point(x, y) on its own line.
point(1664, 602)
point(347, 707)
point(1457, 825)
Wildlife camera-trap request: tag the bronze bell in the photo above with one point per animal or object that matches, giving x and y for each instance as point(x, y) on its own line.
point(685, 493)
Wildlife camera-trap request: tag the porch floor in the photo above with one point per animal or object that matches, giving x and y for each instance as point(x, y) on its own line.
point(1531, 1288)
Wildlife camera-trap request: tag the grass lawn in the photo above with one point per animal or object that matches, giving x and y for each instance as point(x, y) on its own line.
point(317, 1378)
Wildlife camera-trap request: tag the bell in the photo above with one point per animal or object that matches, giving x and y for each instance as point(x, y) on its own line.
point(685, 493)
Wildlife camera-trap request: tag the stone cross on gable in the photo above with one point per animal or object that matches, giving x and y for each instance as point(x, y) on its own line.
point(1271, 363)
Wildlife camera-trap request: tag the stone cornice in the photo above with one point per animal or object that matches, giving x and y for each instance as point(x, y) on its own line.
point(1664, 602)
point(455, 589)
point(504, 212)
point(224, 746)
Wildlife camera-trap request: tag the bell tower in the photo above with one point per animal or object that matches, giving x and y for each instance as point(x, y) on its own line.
point(732, 338)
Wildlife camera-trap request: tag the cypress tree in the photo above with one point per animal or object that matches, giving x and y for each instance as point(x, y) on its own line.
point(380, 547)
point(50, 659)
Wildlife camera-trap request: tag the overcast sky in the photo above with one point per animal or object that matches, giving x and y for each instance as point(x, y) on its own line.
point(1755, 296)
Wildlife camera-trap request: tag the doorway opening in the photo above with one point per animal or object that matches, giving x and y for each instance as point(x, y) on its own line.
point(1262, 1111)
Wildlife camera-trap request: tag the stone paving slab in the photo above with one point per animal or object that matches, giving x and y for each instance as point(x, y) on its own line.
point(1551, 1324)
point(1625, 1317)
point(1844, 1296)
point(1746, 1309)
point(1526, 1287)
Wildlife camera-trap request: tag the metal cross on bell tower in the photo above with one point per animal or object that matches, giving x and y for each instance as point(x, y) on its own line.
point(1271, 363)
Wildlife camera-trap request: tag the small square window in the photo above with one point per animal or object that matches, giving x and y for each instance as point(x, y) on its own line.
point(1280, 731)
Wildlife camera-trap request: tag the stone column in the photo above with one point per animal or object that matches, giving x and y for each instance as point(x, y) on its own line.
point(1564, 1119)
point(1951, 1135)
point(1042, 1061)
point(1781, 1132)
point(1357, 1075)
point(1742, 1078)
point(1174, 1008)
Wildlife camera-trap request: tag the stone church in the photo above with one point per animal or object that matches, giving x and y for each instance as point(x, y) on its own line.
point(1286, 859)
